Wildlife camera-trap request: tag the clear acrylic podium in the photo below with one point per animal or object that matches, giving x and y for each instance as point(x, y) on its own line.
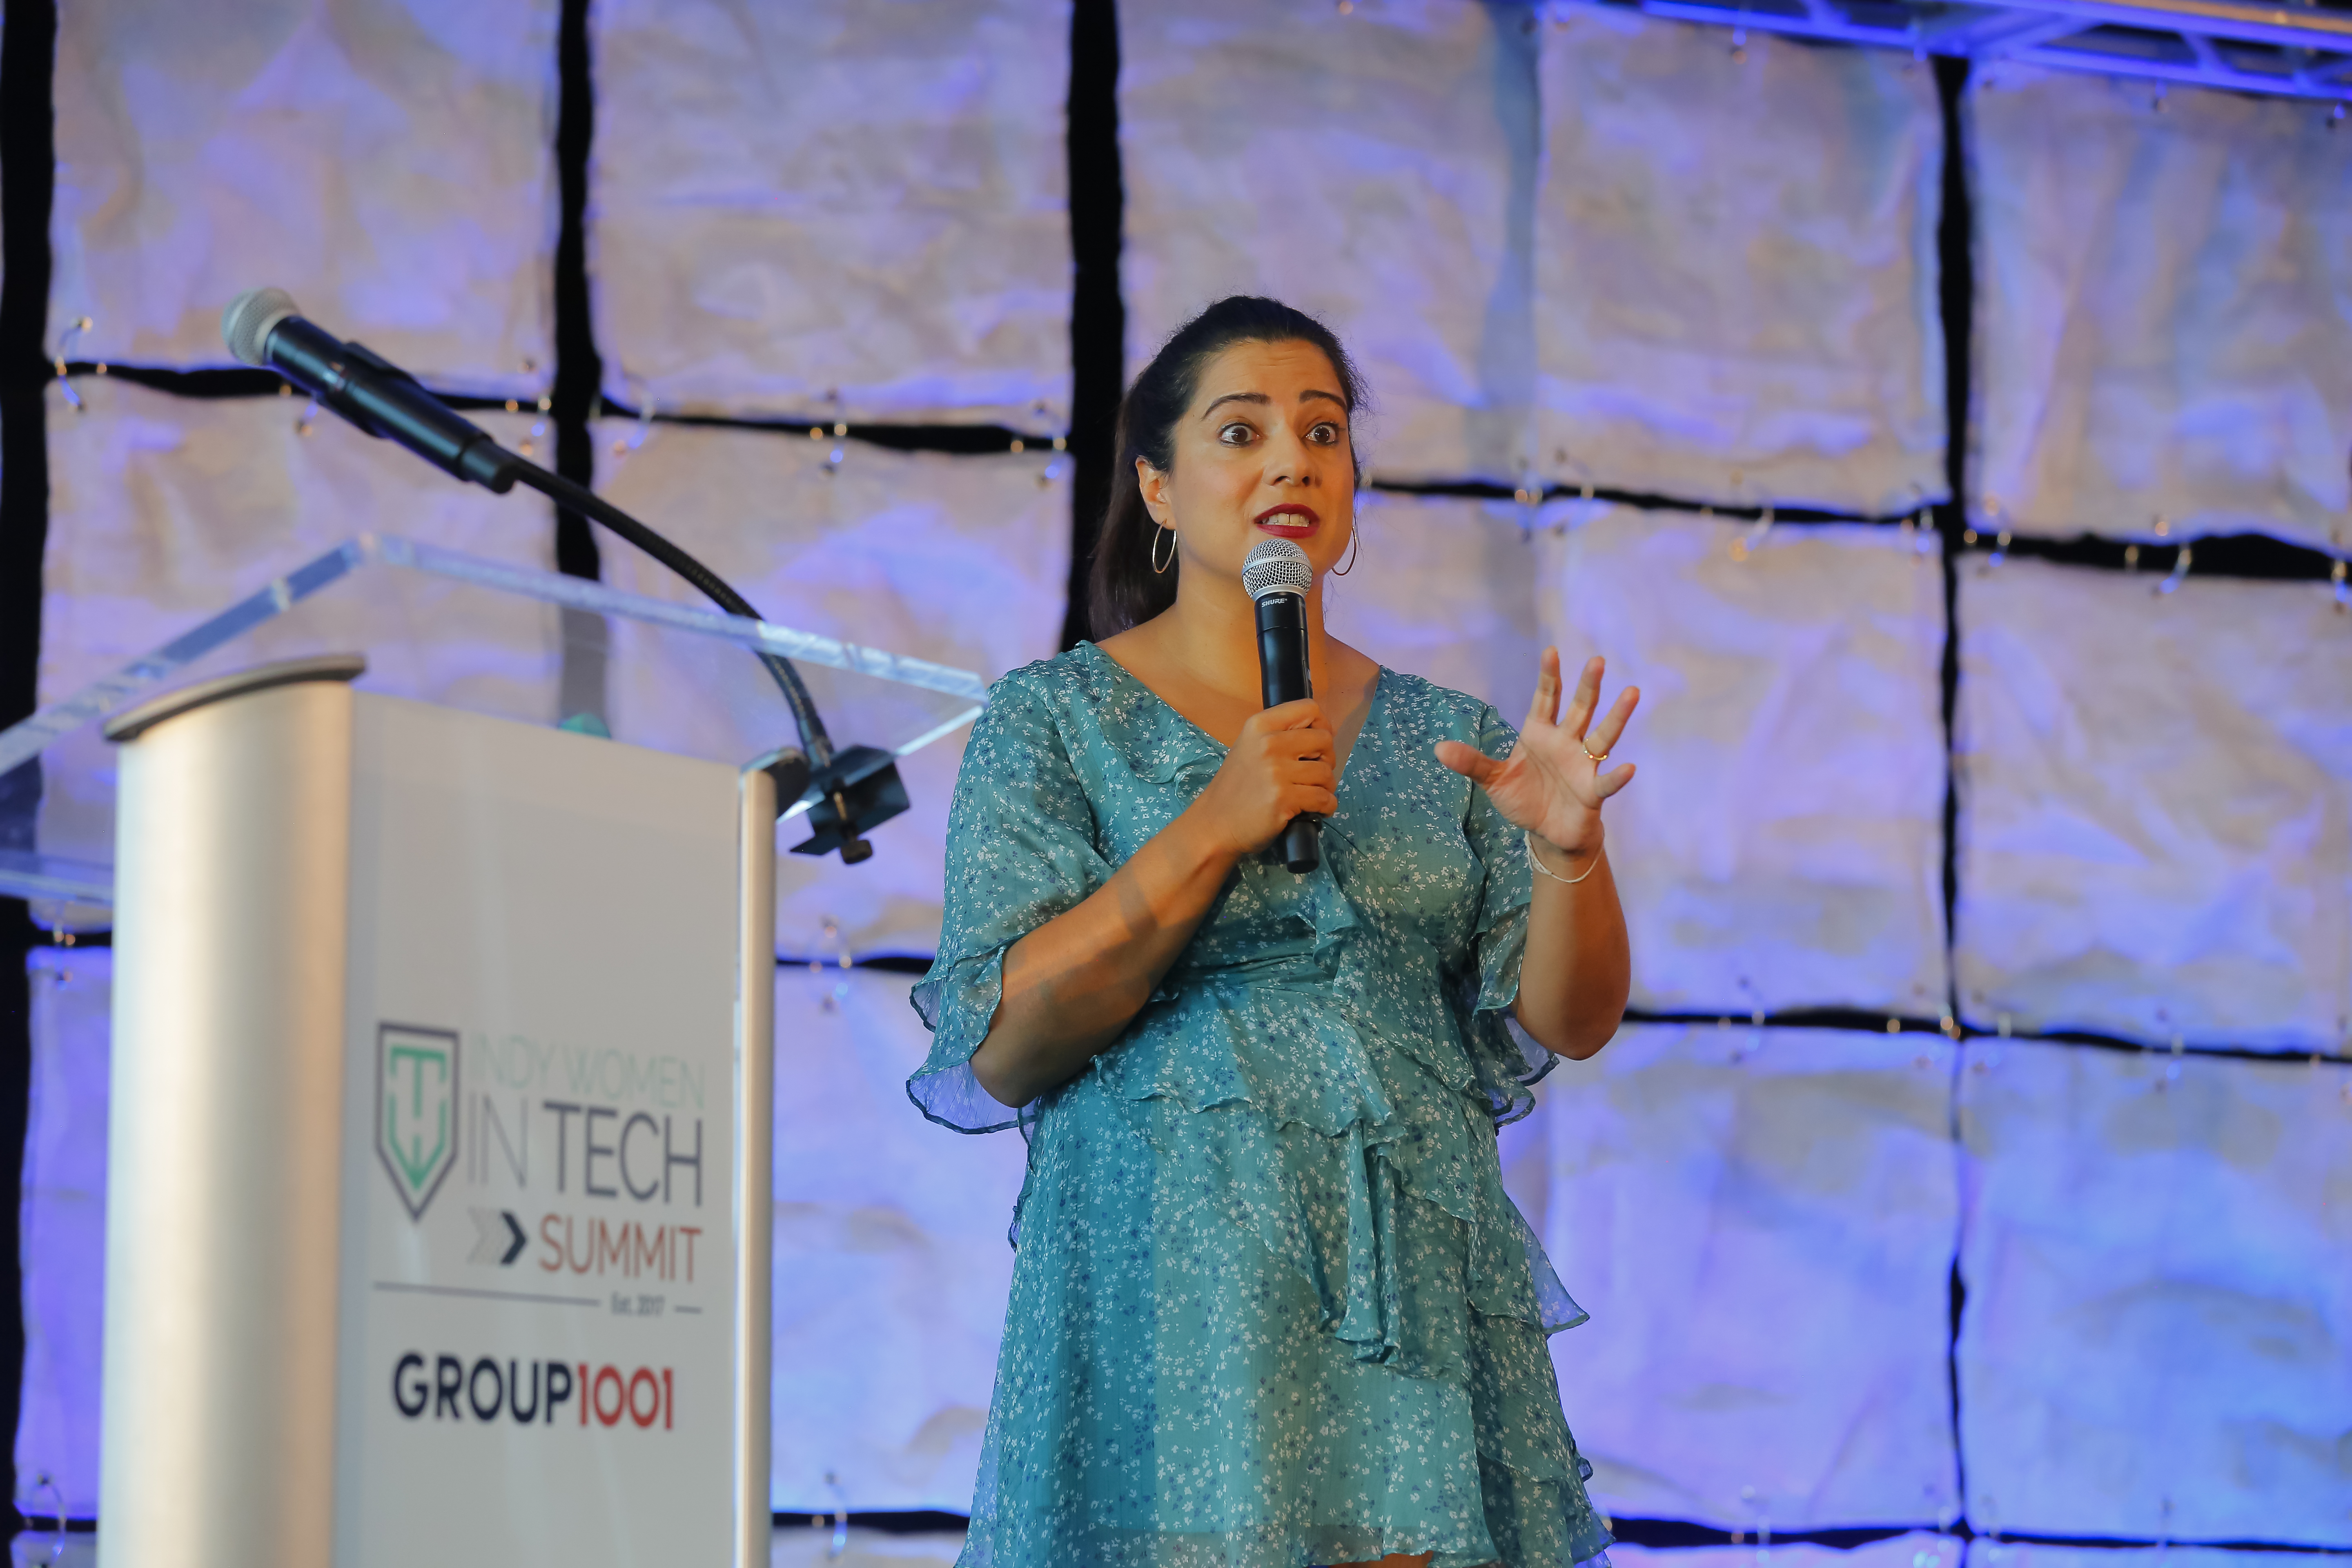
point(439, 1168)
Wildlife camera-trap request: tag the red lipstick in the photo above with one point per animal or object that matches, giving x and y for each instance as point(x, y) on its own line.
point(1289, 520)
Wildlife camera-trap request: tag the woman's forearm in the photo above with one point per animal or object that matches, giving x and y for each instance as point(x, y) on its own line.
point(1579, 969)
point(1073, 984)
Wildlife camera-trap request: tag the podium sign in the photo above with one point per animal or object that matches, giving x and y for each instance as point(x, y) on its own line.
point(538, 1294)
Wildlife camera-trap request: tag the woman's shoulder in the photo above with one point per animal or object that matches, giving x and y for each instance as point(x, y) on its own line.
point(1097, 713)
point(1072, 680)
point(1080, 693)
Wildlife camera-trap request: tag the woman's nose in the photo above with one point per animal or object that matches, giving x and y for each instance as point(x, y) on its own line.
point(1289, 460)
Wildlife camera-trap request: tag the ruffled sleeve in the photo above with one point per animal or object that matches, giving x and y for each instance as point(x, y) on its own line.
point(1504, 1057)
point(1020, 850)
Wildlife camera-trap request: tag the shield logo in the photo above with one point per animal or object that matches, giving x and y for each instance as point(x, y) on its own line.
point(416, 1108)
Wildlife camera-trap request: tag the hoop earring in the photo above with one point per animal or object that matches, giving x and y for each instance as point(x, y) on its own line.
point(1355, 542)
point(1157, 565)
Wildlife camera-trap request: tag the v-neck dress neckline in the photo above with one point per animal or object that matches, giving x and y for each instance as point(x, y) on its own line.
point(1371, 709)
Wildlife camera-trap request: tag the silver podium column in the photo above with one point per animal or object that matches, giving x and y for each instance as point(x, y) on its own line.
point(225, 1134)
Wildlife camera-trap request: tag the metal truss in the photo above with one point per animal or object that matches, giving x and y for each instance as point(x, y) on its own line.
point(2299, 48)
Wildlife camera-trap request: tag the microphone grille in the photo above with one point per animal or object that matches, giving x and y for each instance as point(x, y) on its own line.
point(249, 320)
point(1276, 566)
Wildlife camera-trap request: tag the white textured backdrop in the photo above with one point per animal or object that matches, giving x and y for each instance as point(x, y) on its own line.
point(1762, 1224)
point(391, 163)
point(1443, 588)
point(891, 1264)
point(2164, 310)
point(855, 196)
point(1735, 267)
point(164, 511)
point(1916, 1548)
point(2155, 806)
point(1989, 1553)
point(61, 1212)
point(1781, 845)
point(2158, 1340)
point(1373, 168)
point(962, 560)
point(1577, 243)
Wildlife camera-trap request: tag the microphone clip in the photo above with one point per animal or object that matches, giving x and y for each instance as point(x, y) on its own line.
point(858, 791)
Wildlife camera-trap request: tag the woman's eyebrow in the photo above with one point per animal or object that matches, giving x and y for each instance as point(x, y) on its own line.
point(1261, 397)
point(1236, 398)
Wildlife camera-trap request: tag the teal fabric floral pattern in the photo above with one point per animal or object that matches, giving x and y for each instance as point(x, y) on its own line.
point(1272, 1307)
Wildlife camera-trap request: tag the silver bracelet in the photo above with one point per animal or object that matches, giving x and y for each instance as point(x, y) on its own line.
point(1537, 861)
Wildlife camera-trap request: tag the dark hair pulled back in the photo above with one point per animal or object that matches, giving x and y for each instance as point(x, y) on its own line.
point(1122, 589)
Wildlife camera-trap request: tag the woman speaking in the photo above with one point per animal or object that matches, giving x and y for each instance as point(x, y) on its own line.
point(1272, 1306)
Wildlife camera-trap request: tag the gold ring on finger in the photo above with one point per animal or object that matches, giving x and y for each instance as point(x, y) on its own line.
point(1588, 751)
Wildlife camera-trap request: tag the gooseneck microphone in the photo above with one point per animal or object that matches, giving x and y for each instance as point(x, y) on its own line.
point(264, 327)
point(852, 789)
point(1278, 575)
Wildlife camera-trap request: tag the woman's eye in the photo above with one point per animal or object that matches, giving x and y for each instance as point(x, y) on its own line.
point(1325, 434)
point(1235, 434)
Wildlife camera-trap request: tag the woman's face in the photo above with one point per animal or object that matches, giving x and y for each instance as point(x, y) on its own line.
point(1264, 452)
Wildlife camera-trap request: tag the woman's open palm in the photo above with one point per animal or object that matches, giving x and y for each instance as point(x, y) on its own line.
point(1551, 784)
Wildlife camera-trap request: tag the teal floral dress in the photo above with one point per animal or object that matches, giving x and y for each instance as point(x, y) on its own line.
point(1272, 1306)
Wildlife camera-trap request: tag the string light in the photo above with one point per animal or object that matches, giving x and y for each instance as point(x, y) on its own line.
point(73, 399)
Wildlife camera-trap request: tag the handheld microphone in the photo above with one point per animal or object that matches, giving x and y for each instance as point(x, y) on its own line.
point(263, 327)
point(1278, 575)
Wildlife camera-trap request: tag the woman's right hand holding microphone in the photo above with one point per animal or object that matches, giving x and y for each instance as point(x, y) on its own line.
point(1283, 764)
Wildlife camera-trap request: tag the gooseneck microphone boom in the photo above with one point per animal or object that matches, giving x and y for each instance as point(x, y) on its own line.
point(856, 789)
point(1278, 575)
